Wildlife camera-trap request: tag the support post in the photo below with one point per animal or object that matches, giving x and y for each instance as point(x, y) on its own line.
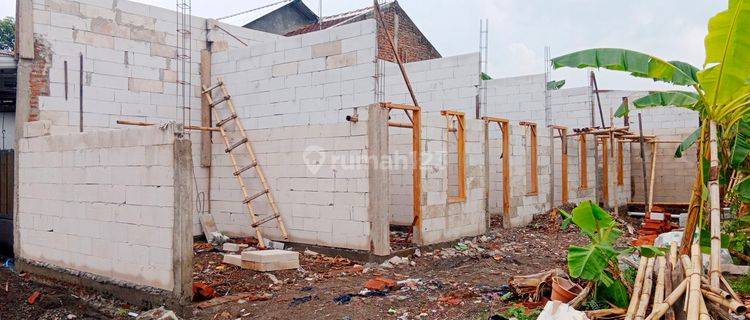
point(205, 71)
point(182, 235)
point(643, 160)
point(379, 196)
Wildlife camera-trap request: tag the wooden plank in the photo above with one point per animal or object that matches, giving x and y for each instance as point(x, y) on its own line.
point(205, 71)
point(505, 127)
point(495, 119)
point(605, 171)
point(583, 171)
point(399, 106)
point(564, 164)
point(400, 124)
point(417, 176)
point(534, 155)
point(620, 164)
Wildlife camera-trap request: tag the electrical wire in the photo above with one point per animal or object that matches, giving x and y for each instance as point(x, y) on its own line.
point(254, 9)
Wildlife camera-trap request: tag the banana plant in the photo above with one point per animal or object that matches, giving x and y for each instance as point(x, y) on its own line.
point(598, 261)
point(719, 92)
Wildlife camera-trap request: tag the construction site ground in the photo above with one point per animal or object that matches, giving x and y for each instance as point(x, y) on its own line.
point(460, 282)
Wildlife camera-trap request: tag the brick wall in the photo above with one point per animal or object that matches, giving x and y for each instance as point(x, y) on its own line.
point(101, 202)
point(413, 45)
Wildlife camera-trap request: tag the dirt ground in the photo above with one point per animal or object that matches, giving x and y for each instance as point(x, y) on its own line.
point(462, 282)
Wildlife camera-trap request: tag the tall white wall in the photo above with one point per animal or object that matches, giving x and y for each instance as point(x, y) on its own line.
point(293, 95)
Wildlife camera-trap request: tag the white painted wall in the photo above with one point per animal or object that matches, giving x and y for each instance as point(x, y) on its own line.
point(100, 202)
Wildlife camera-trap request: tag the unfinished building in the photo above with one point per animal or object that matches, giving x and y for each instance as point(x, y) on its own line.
point(346, 154)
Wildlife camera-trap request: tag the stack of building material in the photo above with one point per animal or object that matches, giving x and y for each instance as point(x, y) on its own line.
point(264, 260)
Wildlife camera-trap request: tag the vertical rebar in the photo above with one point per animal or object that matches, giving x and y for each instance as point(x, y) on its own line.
point(80, 95)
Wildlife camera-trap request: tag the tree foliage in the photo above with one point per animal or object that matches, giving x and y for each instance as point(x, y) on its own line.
point(7, 34)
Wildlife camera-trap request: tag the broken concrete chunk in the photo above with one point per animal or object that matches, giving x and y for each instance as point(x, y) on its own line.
point(309, 252)
point(234, 247)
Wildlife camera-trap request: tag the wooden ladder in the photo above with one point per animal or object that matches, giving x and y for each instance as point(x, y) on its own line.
point(248, 198)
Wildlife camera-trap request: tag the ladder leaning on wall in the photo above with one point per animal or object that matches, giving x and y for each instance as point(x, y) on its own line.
point(240, 140)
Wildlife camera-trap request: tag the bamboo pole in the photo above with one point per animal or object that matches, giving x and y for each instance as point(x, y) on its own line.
point(659, 310)
point(668, 269)
point(734, 305)
point(718, 312)
point(713, 190)
point(637, 287)
point(651, 180)
point(615, 186)
point(694, 291)
point(703, 310)
point(660, 276)
point(598, 314)
point(716, 290)
point(673, 255)
point(647, 288)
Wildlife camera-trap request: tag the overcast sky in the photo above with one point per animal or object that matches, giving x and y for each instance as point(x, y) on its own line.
point(520, 29)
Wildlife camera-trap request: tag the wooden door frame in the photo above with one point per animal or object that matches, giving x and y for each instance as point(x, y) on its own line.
point(415, 119)
point(504, 125)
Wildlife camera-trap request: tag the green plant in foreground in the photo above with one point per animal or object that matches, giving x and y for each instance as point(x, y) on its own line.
point(521, 313)
point(597, 262)
point(719, 92)
point(741, 284)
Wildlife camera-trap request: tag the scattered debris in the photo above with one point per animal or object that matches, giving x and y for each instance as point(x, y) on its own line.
point(233, 247)
point(555, 310)
point(247, 296)
point(273, 278)
point(343, 299)
point(380, 284)
point(158, 314)
point(202, 291)
point(33, 297)
point(309, 252)
point(534, 284)
point(299, 300)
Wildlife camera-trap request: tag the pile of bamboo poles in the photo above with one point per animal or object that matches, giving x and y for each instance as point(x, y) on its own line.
point(681, 290)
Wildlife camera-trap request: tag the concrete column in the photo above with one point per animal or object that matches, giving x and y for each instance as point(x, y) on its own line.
point(378, 184)
point(182, 236)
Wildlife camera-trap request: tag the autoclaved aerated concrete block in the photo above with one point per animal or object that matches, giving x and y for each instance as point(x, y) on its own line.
point(270, 260)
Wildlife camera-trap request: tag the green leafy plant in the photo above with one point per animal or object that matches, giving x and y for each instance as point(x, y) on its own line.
point(521, 313)
point(597, 262)
point(7, 34)
point(719, 92)
point(741, 284)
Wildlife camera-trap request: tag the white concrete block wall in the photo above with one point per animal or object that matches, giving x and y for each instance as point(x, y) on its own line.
point(517, 98)
point(100, 202)
point(130, 66)
point(443, 220)
point(314, 78)
point(444, 83)
point(401, 178)
point(318, 176)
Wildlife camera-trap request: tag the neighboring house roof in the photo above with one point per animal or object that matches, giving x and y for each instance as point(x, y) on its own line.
point(7, 60)
point(250, 18)
point(338, 19)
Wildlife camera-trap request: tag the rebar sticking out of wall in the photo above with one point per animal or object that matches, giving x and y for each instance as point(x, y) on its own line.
point(184, 61)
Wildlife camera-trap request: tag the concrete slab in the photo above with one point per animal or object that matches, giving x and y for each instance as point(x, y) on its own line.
point(234, 247)
point(270, 260)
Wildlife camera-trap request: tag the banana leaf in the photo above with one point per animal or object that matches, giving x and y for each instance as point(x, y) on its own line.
point(687, 68)
point(741, 144)
point(591, 219)
point(616, 293)
point(726, 71)
point(742, 190)
point(555, 85)
point(589, 262)
point(485, 76)
point(622, 110)
point(637, 63)
point(683, 99)
point(687, 143)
